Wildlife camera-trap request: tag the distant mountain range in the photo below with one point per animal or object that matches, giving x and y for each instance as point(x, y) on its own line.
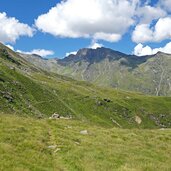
point(106, 67)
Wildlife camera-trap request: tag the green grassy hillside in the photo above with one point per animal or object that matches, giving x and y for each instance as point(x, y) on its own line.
point(96, 138)
point(28, 144)
point(26, 90)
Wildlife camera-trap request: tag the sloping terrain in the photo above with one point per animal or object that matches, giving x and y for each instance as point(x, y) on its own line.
point(47, 145)
point(95, 138)
point(105, 67)
point(27, 90)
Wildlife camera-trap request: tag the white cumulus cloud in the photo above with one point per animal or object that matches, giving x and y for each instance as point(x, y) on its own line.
point(141, 50)
point(166, 4)
point(149, 13)
point(98, 19)
point(10, 47)
point(95, 45)
point(71, 53)
point(11, 29)
point(145, 33)
point(40, 52)
point(142, 33)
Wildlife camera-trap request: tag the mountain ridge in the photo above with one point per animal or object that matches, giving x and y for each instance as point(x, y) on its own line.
point(82, 53)
point(108, 68)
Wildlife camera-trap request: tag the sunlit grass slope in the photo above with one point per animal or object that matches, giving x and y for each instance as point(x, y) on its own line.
point(48, 145)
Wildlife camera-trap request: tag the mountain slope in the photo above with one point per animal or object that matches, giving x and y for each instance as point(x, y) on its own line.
point(93, 138)
point(30, 91)
point(105, 67)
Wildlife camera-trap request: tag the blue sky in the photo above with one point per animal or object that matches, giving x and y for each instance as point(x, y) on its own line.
point(72, 25)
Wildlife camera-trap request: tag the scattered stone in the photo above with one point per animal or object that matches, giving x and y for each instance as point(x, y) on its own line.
point(157, 120)
point(7, 96)
point(58, 149)
point(69, 117)
point(138, 120)
point(12, 68)
point(77, 143)
point(55, 116)
point(40, 116)
point(162, 115)
point(52, 146)
point(99, 103)
point(115, 122)
point(84, 132)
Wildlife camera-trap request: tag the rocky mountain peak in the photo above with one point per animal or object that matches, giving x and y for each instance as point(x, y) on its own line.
point(83, 52)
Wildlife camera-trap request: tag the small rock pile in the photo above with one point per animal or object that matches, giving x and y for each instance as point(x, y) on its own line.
point(58, 116)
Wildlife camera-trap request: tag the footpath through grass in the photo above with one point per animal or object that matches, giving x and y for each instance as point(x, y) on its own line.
point(27, 144)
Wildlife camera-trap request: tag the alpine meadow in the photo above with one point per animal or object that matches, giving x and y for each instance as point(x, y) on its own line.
point(85, 85)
